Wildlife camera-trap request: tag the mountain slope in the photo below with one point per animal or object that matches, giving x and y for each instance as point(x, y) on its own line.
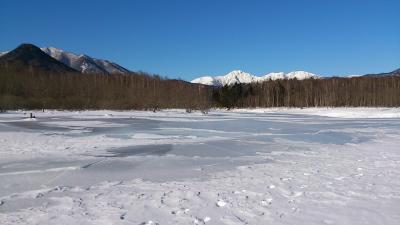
point(236, 76)
point(84, 63)
point(206, 80)
point(239, 77)
point(30, 57)
point(393, 73)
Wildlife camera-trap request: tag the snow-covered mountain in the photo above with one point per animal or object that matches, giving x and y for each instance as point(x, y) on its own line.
point(238, 76)
point(28, 57)
point(84, 63)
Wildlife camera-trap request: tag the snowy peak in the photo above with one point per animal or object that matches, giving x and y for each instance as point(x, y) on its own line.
point(84, 63)
point(239, 77)
point(236, 76)
point(300, 75)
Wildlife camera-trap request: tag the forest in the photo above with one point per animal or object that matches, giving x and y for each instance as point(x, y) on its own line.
point(39, 90)
point(367, 91)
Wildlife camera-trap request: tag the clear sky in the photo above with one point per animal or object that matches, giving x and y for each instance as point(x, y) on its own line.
point(189, 38)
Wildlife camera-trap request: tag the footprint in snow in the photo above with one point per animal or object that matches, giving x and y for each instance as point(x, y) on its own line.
point(201, 221)
point(122, 216)
point(266, 202)
point(40, 195)
point(177, 212)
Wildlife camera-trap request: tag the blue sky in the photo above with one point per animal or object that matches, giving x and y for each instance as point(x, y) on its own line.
point(188, 38)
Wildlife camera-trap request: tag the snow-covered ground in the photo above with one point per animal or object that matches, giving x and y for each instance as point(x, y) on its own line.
point(248, 166)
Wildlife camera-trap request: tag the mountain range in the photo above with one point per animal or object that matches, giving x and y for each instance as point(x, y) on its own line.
point(50, 59)
point(393, 73)
point(238, 76)
point(81, 63)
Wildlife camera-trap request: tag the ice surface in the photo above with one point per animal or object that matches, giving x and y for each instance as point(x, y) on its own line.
point(248, 166)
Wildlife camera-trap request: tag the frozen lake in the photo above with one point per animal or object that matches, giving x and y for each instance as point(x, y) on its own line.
point(264, 166)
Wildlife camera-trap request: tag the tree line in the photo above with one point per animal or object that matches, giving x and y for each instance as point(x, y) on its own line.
point(375, 91)
point(37, 90)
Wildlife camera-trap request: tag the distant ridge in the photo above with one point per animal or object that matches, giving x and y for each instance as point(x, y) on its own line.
point(239, 77)
point(84, 63)
point(393, 73)
point(30, 57)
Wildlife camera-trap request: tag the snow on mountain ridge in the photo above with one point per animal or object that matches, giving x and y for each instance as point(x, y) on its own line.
point(3, 53)
point(300, 75)
point(238, 76)
point(207, 80)
point(84, 63)
point(274, 76)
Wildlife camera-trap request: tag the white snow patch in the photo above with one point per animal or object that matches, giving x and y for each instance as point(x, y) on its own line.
point(221, 203)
